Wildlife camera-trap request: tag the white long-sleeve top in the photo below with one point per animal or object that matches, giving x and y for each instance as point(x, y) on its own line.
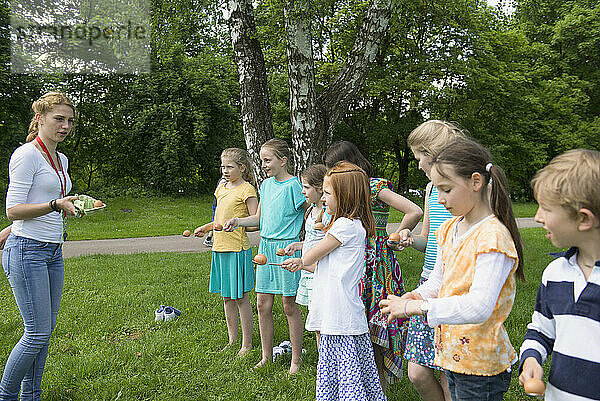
point(491, 271)
point(33, 180)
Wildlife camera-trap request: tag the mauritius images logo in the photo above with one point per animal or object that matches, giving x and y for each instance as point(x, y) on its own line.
point(82, 37)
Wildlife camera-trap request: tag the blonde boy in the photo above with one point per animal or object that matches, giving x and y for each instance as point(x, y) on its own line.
point(566, 319)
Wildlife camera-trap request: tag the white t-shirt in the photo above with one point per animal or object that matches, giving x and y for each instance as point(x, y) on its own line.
point(33, 180)
point(335, 305)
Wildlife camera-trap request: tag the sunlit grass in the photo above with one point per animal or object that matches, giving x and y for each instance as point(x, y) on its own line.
point(156, 216)
point(106, 345)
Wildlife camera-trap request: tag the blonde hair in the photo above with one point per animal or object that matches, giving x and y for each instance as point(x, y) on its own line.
point(571, 180)
point(242, 158)
point(42, 106)
point(350, 188)
point(434, 135)
point(280, 149)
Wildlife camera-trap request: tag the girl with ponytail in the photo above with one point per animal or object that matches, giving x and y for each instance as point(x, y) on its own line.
point(472, 287)
point(37, 203)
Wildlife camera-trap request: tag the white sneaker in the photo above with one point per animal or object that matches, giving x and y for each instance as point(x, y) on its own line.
point(171, 313)
point(286, 346)
point(277, 351)
point(159, 314)
point(208, 241)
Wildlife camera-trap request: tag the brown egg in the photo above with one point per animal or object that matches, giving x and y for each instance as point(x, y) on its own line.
point(217, 227)
point(280, 252)
point(187, 233)
point(395, 237)
point(260, 259)
point(98, 203)
point(319, 226)
point(534, 386)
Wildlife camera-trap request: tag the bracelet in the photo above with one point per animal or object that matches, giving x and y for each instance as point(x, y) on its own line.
point(405, 304)
point(53, 205)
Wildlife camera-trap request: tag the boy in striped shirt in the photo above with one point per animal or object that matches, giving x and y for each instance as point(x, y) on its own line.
point(566, 319)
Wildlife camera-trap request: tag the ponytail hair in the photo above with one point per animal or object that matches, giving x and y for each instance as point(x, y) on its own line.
point(467, 156)
point(240, 157)
point(42, 106)
point(280, 149)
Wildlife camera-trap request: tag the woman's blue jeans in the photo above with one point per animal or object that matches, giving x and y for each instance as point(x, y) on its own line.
point(35, 273)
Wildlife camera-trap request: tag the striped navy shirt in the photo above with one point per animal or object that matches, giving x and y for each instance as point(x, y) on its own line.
point(566, 324)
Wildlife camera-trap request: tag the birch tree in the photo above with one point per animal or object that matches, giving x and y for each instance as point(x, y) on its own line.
point(313, 116)
point(254, 92)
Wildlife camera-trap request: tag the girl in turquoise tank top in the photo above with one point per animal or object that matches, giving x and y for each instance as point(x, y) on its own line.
point(280, 216)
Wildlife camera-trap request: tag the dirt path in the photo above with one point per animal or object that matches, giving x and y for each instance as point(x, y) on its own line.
point(174, 243)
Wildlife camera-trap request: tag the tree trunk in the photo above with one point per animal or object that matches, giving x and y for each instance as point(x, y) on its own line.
point(254, 93)
point(403, 159)
point(301, 79)
point(313, 118)
point(336, 98)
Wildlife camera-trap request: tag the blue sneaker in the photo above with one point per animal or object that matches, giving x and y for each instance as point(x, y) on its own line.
point(159, 314)
point(171, 313)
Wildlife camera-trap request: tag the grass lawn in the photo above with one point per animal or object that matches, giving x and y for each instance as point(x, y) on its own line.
point(131, 217)
point(107, 346)
point(135, 217)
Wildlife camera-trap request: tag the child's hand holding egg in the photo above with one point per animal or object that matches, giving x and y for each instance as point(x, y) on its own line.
point(534, 387)
point(200, 231)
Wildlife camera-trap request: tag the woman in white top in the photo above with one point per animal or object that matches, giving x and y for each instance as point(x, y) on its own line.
point(346, 368)
point(36, 203)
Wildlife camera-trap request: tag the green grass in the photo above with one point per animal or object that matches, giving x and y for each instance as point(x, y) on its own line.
point(140, 217)
point(525, 209)
point(106, 345)
point(154, 216)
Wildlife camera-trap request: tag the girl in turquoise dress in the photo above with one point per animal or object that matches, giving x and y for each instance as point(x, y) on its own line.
point(382, 272)
point(280, 216)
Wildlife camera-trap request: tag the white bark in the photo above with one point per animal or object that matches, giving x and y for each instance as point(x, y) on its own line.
point(314, 118)
point(254, 95)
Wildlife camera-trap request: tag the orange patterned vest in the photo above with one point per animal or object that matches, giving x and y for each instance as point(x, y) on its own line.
point(476, 349)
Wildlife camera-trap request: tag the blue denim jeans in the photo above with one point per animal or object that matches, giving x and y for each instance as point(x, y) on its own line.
point(35, 272)
point(478, 388)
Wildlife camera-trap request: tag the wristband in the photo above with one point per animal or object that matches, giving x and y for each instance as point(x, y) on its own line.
point(53, 205)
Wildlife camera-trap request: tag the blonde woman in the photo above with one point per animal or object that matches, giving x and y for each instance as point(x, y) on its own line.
point(36, 203)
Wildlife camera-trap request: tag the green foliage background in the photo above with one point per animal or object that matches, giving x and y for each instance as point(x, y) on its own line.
point(527, 85)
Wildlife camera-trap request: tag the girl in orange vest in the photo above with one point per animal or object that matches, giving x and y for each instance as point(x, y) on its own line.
point(472, 287)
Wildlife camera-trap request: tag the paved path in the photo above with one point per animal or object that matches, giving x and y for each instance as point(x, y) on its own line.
point(176, 243)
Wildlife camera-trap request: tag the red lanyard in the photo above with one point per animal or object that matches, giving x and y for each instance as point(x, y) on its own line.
point(45, 149)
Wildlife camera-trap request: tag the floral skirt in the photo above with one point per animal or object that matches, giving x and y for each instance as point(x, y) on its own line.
point(383, 277)
point(346, 369)
point(420, 341)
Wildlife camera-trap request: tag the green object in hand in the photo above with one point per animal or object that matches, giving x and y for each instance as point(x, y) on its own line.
point(84, 204)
